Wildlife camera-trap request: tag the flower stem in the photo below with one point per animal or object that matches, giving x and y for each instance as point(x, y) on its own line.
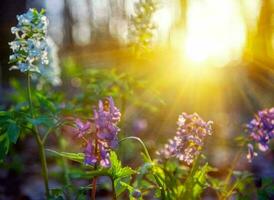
point(66, 179)
point(39, 142)
point(188, 184)
point(113, 190)
point(93, 192)
point(228, 177)
point(150, 160)
point(141, 142)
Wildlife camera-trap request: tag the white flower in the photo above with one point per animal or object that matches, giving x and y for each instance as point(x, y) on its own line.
point(14, 30)
point(23, 67)
point(30, 49)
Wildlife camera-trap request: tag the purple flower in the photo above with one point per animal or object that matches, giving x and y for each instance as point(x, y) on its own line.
point(90, 157)
point(261, 130)
point(189, 139)
point(101, 156)
point(82, 128)
point(105, 138)
point(104, 156)
point(106, 118)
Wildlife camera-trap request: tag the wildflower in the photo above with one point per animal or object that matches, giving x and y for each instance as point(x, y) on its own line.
point(99, 156)
point(189, 139)
point(106, 118)
point(83, 128)
point(30, 48)
point(261, 130)
point(90, 157)
point(105, 138)
point(104, 155)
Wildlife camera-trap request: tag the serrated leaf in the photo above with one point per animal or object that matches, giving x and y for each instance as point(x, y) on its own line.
point(116, 169)
point(125, 172)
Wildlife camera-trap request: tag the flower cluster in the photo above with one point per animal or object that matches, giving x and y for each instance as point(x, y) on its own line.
point(261, 130)
point(105, 137)
point(106, 118)
point(189, 139)
point(30, 48)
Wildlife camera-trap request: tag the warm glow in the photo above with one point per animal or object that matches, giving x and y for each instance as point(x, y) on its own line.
point(215, 33)
point(163, 18)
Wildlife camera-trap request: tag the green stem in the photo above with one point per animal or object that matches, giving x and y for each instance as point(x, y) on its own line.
point(113, 190)
point(39, 142)
point(188, 191)
point(150, 160)
point(141, 142)
point(228, 177)
point(64, 162)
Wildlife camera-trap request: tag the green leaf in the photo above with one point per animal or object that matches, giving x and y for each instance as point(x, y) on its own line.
point(42, 120)
point(90, 173)
point(45, 103)
point(267, 189)
point(120, 186)
point(13, 132)
point(77, 157)
point(128, 187)
point(116, 170)
point(4, 146)
point(120, 174)
point(200, 180)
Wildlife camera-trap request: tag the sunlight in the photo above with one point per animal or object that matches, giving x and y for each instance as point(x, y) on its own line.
point(215, 33)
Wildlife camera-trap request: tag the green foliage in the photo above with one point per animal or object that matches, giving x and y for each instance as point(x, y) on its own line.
point(79, 193)
point(179, 181)
point(197, 182)
point(12, 124)
point(241, 185)
point(116, 170)
point(94, 84)
point(119, 174)
point(266, 191)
